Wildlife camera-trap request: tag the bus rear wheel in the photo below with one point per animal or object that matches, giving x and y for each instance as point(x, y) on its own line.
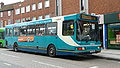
point(15, 47)
point(51, 51)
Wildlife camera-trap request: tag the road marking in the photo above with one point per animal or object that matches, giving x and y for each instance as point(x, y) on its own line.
point(47, 64)
point(94, 67)
point(9, 55)
point(7, 64)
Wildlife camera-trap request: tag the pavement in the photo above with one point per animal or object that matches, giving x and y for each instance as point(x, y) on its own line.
point(110, 54)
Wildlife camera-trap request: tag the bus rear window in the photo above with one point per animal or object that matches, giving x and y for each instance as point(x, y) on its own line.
point(68, 28)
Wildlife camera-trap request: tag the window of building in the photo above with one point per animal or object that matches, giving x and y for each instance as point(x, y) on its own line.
point(47, 16)
point(34, 7)
point(28, 8)
point(9, 21)
point(9, 13)
point(4, 23)
point(1, 14)
point(28, 19)
point(113, 35)
point(47, 3)
point(84, 6)
point(40, 17)
point(1, 23)
point(52, 28)
point(17, 21)
point(68, 28)
point(23, 19)
point(40, 5)
point(40, 29)
point(33, 18)
point(17, 11)
point(23, 10)
point(58, 7)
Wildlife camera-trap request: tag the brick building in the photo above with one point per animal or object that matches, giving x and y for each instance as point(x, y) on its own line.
point(90, 6)
point(6, 14)
point(41, 9)
point(34, 10)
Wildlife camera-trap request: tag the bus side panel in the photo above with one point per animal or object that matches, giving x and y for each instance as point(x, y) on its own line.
point(10, 41)
point(38, 45)
point(60, 45)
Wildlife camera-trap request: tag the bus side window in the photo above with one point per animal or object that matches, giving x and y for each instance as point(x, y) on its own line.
point(7, 32)
point(68, 28)
point(52, 28)
point(10, 32)
point(37, 29)
point(40, 29)
point(31, 30)
point(23, 31)
point(16, 31)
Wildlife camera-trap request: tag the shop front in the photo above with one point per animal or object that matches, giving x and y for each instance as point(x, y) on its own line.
point(112, 22)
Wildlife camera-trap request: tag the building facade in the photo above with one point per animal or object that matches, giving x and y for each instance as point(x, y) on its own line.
point(40, 9)
point(29, 10)
point(6, 14)
point(112, 22)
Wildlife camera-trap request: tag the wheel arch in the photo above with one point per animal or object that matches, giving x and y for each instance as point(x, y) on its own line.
point(14, 44)
point(50, 45)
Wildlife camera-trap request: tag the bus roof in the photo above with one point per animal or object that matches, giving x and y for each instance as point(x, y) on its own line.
point(67, 17)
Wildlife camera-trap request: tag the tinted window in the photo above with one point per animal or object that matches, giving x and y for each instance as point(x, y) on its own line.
point(23, 31)
point(68, 28)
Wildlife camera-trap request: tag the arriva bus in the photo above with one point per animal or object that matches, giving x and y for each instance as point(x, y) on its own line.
point(75, 34)
point(2, 37)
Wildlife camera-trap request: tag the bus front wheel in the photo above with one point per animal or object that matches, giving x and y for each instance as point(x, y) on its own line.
point(15, 47)
point(51, 51)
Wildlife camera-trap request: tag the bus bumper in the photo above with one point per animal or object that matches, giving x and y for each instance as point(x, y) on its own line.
point(77, 53)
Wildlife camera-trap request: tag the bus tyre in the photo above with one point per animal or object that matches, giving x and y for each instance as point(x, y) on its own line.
point(15, 47)
point(51, 51)
point(0, 44)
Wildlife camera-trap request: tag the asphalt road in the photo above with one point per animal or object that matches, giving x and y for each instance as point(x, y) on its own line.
point(11, 59)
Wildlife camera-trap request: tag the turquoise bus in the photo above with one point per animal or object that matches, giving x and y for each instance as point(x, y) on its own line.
point(2, 37)
point(75, 34)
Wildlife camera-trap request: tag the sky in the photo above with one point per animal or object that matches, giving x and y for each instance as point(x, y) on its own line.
point(10, 1)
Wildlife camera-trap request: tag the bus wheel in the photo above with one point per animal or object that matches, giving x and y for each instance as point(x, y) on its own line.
point(51, 51)
point(15, 47)
point(0, 44)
